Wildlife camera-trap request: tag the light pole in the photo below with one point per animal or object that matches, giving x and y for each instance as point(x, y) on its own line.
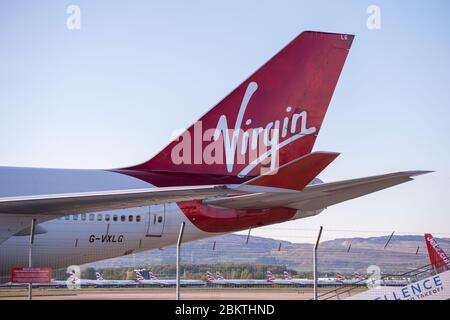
point(180, 238)
point(315, 262)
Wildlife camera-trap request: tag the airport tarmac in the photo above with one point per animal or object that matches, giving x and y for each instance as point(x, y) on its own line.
point(166, 294)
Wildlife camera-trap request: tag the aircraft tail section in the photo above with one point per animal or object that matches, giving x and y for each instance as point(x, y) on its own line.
point(271, 119)
point(219, 276)
point(358, 276)
point(438, 257)
point(210, 277)
point(270, 276)
point(340, 277)
point(287, 275)
point(139, 276)
point(152, 276)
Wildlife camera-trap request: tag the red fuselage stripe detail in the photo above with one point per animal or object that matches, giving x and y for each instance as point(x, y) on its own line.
point(211, 219)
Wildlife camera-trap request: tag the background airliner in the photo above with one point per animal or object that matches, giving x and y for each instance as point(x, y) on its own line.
point(111, 282)
point(218, 279)
point(153, 280)
point(248, 162)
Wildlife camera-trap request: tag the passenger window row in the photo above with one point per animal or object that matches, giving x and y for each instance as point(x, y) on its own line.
point(101, 217)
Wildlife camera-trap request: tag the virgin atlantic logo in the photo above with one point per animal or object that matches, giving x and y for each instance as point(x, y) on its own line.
point(242, 143)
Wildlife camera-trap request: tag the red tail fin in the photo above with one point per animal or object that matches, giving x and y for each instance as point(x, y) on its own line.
point(272, 117)
point(438, 258)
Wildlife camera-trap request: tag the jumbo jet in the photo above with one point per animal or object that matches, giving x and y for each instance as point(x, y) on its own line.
point(338, 280)
point(219, 279)
point(153, 280)
point(297, 281)
point(109, 282)
point(356, 279)
point(284, 281)
point(247, 163)
point(74, 281)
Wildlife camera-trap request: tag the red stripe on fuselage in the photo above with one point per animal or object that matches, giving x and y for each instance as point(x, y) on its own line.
point(212, 219)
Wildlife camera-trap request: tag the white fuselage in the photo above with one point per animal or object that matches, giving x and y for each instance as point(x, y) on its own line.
point(87, 237)
point(172, 282)
point(240, 282)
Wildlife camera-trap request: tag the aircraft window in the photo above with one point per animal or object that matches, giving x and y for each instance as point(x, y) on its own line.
point(67, 217)
point(75, 217)
point(122, 218)
point(91, 217)
point(138, 218)
point(107, 218)
point(115, 217)
point(99, 217)
point(130, 218)
point(160, 219)
point(83, 216)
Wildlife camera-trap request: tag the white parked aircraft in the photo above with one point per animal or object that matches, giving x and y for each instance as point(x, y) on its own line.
point(153, 280)
point(218, 279)
point(108, 282)
point(297, 281)
point(274, 280)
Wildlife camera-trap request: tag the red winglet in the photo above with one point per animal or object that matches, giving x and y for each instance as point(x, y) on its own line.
point(296, 174)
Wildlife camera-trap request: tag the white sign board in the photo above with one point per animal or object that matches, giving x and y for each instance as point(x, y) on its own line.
point(436, 287)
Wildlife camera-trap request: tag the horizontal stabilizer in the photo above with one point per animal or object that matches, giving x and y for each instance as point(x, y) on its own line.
point(317, 196)
point(295, 175)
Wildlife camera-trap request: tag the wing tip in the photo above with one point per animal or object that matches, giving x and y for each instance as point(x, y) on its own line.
point(415, 173)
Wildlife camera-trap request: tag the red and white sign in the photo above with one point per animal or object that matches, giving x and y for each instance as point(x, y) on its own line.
point(31, 275)
point(432, 288)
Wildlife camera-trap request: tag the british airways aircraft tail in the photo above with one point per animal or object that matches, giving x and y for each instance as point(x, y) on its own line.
point(139, 276)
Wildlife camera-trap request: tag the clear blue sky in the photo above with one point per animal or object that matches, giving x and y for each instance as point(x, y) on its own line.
point(111, 94)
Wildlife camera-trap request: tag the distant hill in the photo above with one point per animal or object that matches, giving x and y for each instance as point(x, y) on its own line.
point(399, 256)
